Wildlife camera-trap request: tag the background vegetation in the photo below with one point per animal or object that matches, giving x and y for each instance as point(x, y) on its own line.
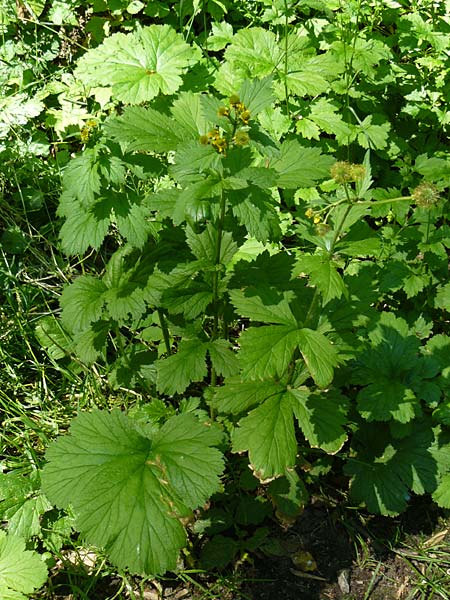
point(232, 214)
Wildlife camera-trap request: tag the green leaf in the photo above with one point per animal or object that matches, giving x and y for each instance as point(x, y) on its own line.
point(254, 51)
point(238, 396)
point(267, 351)
point(386, 399)
point(130, 491)
point(256, 94)
point(84, 228)
point(177, 371)
point(300, 166)
point(188, 112)
point(144, 130)
point(322, 274)
point(269, 436)
point(190, 301)
point(82, 302)
point(319, 355)
point(223, 359)
point(442, 299)
point(256, 213)
point(140, 65)
point(53, 338)
point(204, 244)
point(289, 495)
point(442, 493)
point(90, 344)
point(81, 176)
point(385, 470)
point(321, 417)
point(21, 571)
point(263, 304)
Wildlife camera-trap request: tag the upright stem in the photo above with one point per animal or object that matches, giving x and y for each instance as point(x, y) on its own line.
point(216, 279)
point(165, 330)
point(286, 45)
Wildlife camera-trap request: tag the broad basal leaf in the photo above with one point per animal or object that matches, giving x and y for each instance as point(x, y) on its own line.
point(383, 477)
point(128, 491)
point(139, 65)
point(21, 571)
point(269, 436)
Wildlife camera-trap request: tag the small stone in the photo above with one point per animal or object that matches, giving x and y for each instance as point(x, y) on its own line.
point(343, 581)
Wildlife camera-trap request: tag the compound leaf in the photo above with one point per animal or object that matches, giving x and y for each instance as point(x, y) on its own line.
point(129, 491)
point(263, 304)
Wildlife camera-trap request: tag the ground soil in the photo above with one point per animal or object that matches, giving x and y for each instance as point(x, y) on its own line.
point(356, 557)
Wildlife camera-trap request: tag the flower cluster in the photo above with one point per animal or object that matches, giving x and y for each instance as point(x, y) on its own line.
point(346, 172)
point(239, 117)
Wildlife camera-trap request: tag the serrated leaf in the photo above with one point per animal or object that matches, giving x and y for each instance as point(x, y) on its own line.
point(256, 94)
point(131, 220)
point(90, 344)
point(204, 244)
point(82, 302)
point(263, 304)
point(21, 571)
point(289, 495)
point(223, 359)
point(85, 228)
point(269, 436)
point(267, 351)
point(300, 166)
point(319, 355)
point(187, 109)
point(190, 301)
point(441, 495)
point(238, 396)
point(144, 129)
point(257, 214)
point(386, 399)
point(175, 373)
point(129, 491)
point(321, 417)
point(81, 176)
point(140, 65)
point(442, 299)
point(323, 275)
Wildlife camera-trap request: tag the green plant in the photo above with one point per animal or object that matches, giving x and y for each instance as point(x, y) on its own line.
point(242, 344)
